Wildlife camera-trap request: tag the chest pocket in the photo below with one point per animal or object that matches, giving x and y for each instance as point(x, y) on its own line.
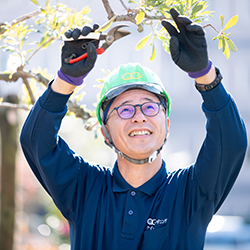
point(156, 239)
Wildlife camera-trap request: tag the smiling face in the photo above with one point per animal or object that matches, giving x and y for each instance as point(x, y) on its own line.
point(139, 136)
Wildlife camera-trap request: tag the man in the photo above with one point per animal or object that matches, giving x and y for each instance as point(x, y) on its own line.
point(138, 204)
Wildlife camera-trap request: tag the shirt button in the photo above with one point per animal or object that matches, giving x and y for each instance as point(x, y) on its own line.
point(133, 193)
point(130, 212)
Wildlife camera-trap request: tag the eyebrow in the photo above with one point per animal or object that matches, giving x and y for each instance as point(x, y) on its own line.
point(144, 98)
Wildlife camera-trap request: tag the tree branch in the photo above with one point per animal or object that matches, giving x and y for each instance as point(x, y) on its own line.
point(18, 20)
point(78, 111)
point(31, 95)
point(7, 77)
point(73, 106)
point(127, 18)
point(14, 106)
point(108, 9)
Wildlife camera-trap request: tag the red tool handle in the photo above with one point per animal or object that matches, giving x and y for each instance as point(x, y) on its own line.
point(99, 51)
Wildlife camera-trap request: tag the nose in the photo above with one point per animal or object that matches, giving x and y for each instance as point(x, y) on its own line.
point(139, 116)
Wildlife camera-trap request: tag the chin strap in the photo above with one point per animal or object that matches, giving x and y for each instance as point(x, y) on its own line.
point(149, 159)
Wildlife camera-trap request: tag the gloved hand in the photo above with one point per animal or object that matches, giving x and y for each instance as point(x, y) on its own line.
point(75, 73)
point(188, 46)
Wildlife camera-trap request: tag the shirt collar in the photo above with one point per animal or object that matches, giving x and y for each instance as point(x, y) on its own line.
point(149, 188)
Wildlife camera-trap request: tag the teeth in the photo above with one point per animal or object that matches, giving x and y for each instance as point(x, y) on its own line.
point(143, 132)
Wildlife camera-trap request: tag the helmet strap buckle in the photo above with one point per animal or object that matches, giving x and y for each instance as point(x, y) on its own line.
point(152, 157)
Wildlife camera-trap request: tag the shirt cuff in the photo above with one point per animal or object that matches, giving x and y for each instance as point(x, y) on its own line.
point(53, 101)
point(216, 98)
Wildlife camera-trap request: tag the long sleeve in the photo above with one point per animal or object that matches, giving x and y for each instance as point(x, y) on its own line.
point(211, 177)
point(55, 165)
point(223, 151)
point(220, 158)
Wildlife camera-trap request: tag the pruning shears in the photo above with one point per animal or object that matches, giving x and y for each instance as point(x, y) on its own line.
point(113, 35)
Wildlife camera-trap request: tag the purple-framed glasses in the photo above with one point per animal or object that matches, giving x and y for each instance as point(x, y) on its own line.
point(128, 111)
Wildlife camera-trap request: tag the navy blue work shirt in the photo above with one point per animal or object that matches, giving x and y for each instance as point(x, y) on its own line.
point(170, 211)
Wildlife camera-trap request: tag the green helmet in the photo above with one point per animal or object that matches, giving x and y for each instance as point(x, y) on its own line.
point(130, 76)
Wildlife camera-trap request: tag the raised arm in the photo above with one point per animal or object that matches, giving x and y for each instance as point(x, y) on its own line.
point(55, 165)
point(222, 153)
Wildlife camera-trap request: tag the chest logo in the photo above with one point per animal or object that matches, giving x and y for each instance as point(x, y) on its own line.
point(153, 223)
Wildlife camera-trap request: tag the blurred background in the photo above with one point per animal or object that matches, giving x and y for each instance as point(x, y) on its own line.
point(38, 224)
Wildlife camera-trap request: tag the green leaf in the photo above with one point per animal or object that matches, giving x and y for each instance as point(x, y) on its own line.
point(162, 38)
point(153, 53)
point(231, 44)
point(106, 25)
point(35, 2)
point(220, 44)
point(28, 51)
point(43, 40)
point(10, 49)
point(231, 22)
point(166, 47)
point(193, 2)
point(139, 17)
point(196, 9)
point(226, 50)
point(222, 20)
point(142, 42)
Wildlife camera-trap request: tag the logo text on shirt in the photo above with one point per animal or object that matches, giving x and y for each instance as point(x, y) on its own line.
point(152, 223)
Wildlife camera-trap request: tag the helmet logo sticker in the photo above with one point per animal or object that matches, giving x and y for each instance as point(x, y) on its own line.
point(134, 75)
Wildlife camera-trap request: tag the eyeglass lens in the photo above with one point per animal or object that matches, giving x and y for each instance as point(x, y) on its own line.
point(147, 108)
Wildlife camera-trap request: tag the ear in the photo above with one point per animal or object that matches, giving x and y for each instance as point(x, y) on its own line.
point(105, 138)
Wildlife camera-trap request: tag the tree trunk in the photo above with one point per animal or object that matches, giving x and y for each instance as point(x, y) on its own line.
point(8, 125)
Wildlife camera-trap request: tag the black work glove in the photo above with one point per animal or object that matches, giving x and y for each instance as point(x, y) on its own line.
point(188, 46)
point(76, 48)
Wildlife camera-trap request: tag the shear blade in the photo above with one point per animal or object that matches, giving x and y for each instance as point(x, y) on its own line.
point(121, 33)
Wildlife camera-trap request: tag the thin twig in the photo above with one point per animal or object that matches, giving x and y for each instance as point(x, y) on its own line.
point(50, 40)
point(31, 95)
point(124, 6)
point(90, 126)
point(25, 17)
point(207, 25)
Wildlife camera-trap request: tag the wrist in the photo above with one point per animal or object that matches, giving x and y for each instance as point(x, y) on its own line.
point(76, 81)
point(62, 87)
point(210, 81)
point(208, 78)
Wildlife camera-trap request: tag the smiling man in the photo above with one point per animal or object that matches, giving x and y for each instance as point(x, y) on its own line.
point(139, 204)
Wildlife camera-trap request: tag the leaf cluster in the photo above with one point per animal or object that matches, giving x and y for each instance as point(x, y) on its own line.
point(151, 12)
point(51, 22)
point(225, 43)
